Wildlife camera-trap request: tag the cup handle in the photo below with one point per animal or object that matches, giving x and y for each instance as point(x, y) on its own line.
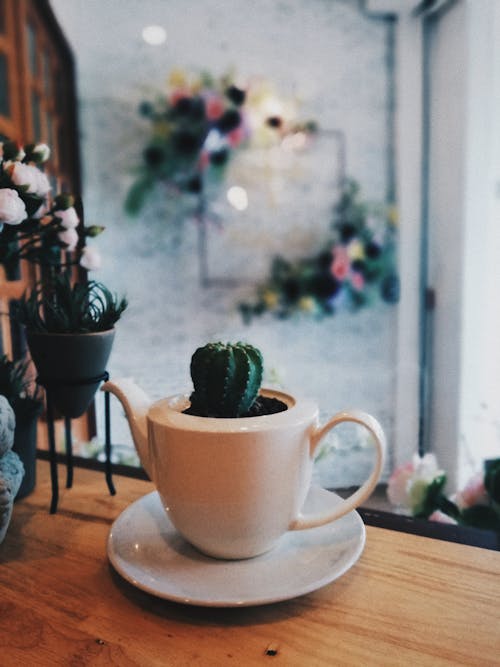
point(354, 500)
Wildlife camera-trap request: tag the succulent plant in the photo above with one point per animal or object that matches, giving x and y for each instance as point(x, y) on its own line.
point(16, 384)
point(63, 307)
point(226, 379)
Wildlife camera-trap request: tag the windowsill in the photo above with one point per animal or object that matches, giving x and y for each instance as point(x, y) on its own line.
point(376, 511)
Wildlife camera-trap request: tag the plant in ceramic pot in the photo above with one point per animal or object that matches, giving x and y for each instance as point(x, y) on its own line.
point(231, 461)
point(69, 325)
point(47, 229)
point(69, 321)
point(226, 380)
point(70, 332)
point(16, 384)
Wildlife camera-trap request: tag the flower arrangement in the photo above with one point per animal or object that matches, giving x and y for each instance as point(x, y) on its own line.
point(196, 127)
point(33, 226)
point(417, 489)
point(357, 265)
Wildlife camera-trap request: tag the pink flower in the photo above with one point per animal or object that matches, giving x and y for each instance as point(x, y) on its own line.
point(341, 265)
point(204, 160)
point(473, 493)
point(90, 259)
point(12, 208)
point(214, 107)
point(441, 517)
point(397, 486)
point(236, 136)
point(357, 281)
point(68, 217)
point(69, 237)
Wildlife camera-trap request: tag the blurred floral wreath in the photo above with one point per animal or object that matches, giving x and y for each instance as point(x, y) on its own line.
point(355, 267)
point(196, 127)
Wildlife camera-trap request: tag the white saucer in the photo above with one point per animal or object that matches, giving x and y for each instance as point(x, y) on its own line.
point(147, 551)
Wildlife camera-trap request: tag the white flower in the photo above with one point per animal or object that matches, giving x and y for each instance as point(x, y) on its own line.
point(30, 176)
point(214, 141)
point(23, 174)
point(407, 486)
point(426, 467)
point(43, 185)
point(69, 237)
point(68, 217)
point(41, 211)
point(42, 151)
point(12, 208)
point(90, 259)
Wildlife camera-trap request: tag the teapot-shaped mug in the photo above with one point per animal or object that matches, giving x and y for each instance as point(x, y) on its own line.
point(233, 487)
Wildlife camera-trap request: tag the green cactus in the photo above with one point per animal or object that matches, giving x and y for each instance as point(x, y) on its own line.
point(226, 379)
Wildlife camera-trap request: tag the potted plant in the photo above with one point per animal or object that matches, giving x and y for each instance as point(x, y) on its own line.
point(232, 462)
point(226, 380)
point(69, 324)
point(16, 384)
point(69, 321)
point(70, 332)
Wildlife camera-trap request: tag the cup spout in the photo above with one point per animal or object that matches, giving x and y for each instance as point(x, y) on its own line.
point(136, 404)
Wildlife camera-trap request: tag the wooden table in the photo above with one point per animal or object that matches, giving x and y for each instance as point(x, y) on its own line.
point(410, 600)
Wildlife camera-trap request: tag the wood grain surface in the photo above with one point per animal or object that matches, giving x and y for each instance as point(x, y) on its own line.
point(409, 600)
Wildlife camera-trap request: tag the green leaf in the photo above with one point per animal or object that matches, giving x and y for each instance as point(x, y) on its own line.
point(481, 516)
point(432, 497)
point(32, 202)
point(59, 307)
point(137, 195)
point(492, 479)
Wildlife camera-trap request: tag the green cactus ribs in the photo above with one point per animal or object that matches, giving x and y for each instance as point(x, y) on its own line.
point(226, 379)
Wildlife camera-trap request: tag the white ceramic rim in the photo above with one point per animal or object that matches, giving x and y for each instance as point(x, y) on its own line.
point(168, 411)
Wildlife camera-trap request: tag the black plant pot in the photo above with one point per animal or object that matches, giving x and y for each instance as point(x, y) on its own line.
point(25, 447)
point(70, 367)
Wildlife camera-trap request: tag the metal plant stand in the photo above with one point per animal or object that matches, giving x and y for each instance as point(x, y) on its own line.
point(49, 386)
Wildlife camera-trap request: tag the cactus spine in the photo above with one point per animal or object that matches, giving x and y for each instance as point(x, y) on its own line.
point(226, 379)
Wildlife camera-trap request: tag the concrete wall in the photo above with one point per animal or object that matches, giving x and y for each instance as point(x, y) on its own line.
point(332, 59)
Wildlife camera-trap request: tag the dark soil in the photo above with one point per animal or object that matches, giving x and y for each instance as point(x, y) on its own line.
point(266, 406)
point(262, 405)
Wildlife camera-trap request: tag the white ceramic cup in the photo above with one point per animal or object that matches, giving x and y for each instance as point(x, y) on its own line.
point(233, 487)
